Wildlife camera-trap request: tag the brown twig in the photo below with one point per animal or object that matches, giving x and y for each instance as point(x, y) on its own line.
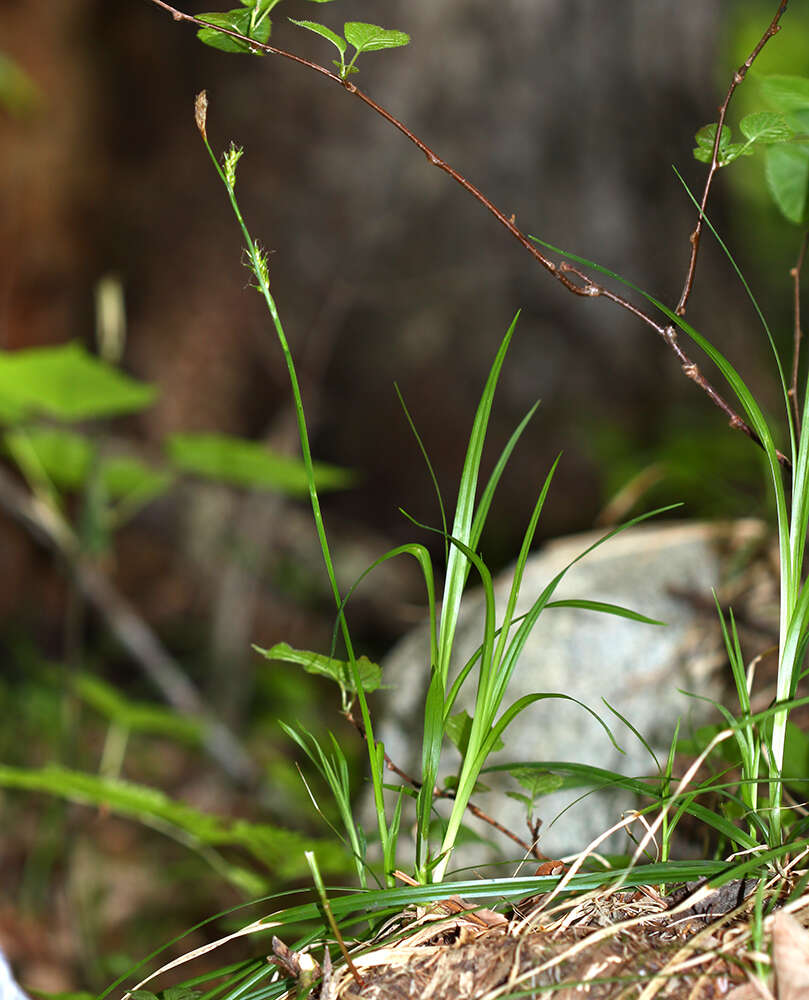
point(795, 274)
point(738, 77)
point(689, 367)
point(559, 271)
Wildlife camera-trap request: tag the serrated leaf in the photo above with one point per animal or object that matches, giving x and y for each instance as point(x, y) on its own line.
point(704, 139)
point(733, 151)
point(66, 383)
point(370, 37)
point(180, 993)
point(787, 173)
point(786, 93)
point(239, 20)
point(327, 666)
point(458, 728)
point(323, 31)
point(765, 127)
point(536, 782)
point(249, 464)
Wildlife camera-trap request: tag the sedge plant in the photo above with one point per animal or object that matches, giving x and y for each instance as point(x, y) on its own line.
point(762, 739)
point(497, 657)
point(754, 819)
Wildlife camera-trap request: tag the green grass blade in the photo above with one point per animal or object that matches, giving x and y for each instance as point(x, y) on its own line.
point(428, 463)
point(487, 496)
point(464, 512)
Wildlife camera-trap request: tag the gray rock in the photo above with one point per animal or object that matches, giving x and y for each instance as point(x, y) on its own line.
point(637, 668)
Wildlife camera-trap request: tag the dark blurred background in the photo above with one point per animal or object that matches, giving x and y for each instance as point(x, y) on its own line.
point(569, 115)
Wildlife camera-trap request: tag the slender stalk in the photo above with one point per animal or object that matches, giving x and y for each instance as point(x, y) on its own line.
point(795, 274)
point(258, 265)
point(738, 77)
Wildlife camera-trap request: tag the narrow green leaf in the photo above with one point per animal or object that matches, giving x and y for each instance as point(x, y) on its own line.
point(787, 172)
point(278, 849)
point(370, 674)
point(370, 37)
point(765, 127)
point(249, 464)
point(786, 93)
point(137, 716)
point(606, 609)
point(323, 31)
point(66, 383)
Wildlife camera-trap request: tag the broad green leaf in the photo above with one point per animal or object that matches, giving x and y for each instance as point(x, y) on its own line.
point(317, 663)
point(458, 728)
point(66, 383)
point(787, 172)
point(66, 457)
point(249, 464)
point(241, 21)
point(130, 478)
point(370, 37)
point(798, 121)
point(536, 781)
point(765, 126)
point(786, 93)
point(705, 138)
point(323, 31)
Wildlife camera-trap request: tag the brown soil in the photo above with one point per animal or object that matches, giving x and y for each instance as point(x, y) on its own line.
point(696, 945)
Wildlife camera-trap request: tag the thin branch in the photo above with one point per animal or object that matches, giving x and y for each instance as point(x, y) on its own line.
point(689, 367)
point(559, 271)
point(738, 77)
point(128, 627)
point(795, 274)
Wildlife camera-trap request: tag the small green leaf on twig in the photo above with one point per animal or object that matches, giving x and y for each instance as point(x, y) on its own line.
point(371, 38)
point(727, 151)
point(765, 127)
point(370, 673)
point(323, 31)
point(253, 23)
